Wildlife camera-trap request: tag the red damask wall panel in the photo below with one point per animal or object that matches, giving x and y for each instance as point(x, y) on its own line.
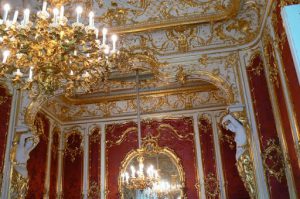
point(54, 164)
point(208, 156)
point(36, 165)
point(234, 185)
point(267, 129)
point(5, 106)
point(287, 129)
point(120, 139)
point(94, 163)
point(289, 67)
point(73, 166)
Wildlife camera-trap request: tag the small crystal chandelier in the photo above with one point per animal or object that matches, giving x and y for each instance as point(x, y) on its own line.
point(164, 188)
point(52, 53)
point(138, 180)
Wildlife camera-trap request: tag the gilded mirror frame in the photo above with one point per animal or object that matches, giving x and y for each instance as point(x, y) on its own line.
point(150, 147)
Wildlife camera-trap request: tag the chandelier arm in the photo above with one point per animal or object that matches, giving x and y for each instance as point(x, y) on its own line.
point(138, 109)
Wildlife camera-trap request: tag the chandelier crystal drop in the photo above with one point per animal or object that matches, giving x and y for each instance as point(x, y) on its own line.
point(53, 53)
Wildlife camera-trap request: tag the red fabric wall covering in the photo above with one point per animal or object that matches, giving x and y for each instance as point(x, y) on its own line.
point(288, 64)
point(94, 163)
point(36, 165)
point(234, 185)
point(5, 106)
point(73, 166)
point(208, 156)
point(183, 147)
point(115, 153)
point(265, 122)
point(293, 86)
point(54, 164)
point(278, 91)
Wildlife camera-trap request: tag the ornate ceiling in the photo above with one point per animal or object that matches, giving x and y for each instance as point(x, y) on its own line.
point(174, 41)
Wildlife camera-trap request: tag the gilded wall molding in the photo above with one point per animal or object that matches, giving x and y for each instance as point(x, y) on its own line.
point(273, 160)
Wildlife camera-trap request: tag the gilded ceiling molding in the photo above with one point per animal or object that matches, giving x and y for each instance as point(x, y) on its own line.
point(149, 104)
point(131, 96)
point(238, 30)
point(133, 16)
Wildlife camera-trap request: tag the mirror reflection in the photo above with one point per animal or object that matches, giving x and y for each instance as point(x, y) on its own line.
point(152, 176)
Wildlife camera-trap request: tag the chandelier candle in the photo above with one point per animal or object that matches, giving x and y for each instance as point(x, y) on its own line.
point(62, 10)
point(104, 32)
point(91, 19)
point(26, 16)
point(6, 10)
point(78, 11)
point(5, 56)
point(44, 6)
point(16, 14)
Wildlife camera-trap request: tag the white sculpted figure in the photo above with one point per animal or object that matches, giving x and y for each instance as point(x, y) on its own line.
point(240, 138)
point(25, 146)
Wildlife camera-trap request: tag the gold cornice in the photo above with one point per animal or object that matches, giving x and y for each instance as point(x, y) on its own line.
point(129, 96)
point(179, 21)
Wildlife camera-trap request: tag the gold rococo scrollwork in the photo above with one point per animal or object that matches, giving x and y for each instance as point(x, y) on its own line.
point(3, 99)
point(211, 185)
point(72, 151)
point(273, 160)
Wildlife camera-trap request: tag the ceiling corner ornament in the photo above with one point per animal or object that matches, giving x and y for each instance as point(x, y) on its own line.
point(273, 160)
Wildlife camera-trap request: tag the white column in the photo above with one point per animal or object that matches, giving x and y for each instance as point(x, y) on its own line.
point(262, 188)
point(48, 166)
point(60, 164)
point(10, 136)
point(85, 185)
point(218, 157)
point(199, 156)
point(103, 166)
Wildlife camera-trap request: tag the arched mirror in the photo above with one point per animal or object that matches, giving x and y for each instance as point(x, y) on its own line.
point(151, 172)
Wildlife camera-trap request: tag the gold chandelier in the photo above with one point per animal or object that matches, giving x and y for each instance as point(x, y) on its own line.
point(51, 54)
point(138, 180)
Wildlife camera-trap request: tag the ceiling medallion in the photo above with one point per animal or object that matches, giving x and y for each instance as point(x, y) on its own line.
point(50, 54)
